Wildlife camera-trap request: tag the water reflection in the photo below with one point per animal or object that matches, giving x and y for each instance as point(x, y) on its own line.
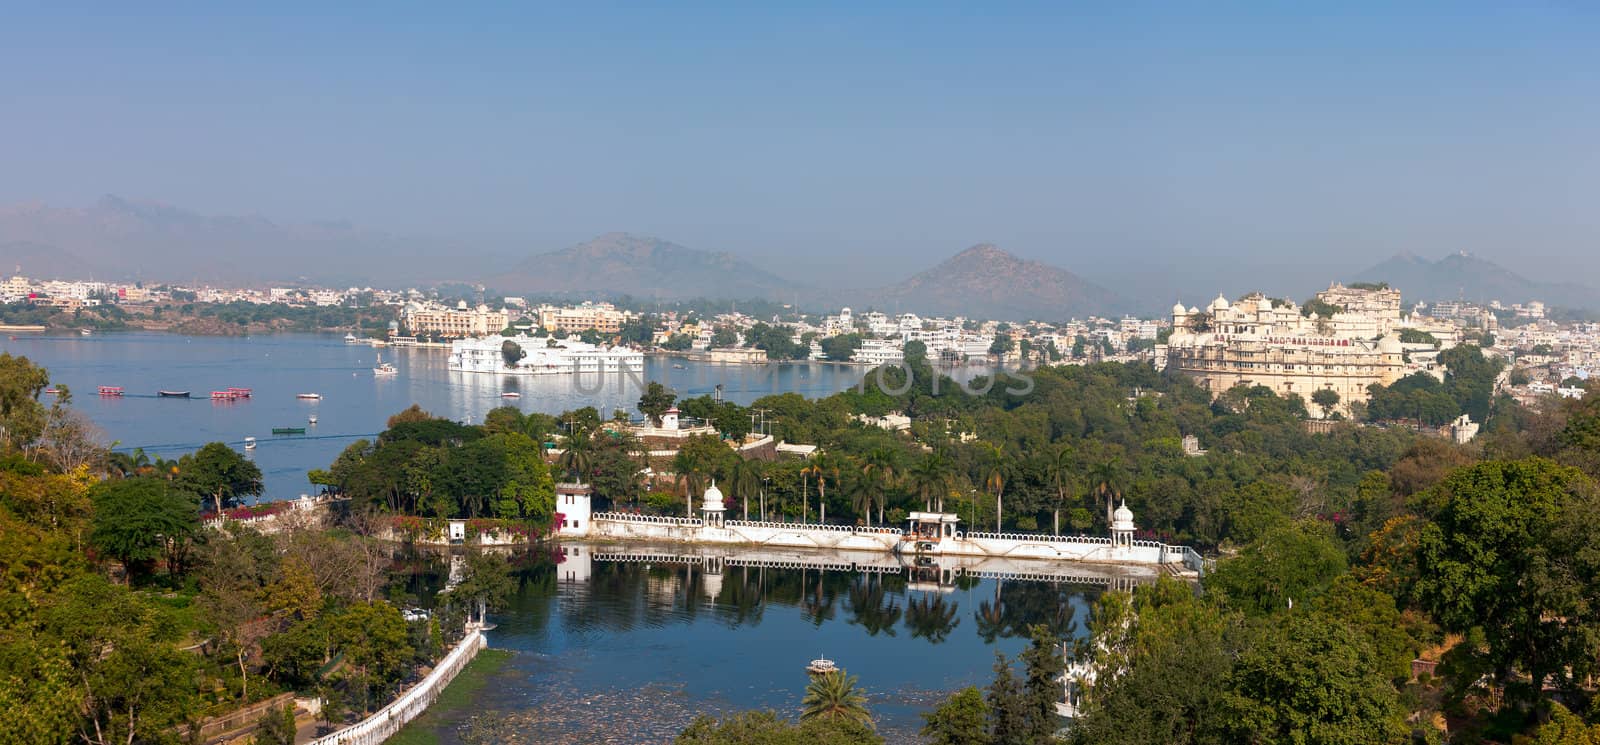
point(652, 635)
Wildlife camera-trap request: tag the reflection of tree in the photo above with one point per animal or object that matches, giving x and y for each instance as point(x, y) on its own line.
point(817, 601)
point(1018, 605)
point(871, 606)
point(930, 616)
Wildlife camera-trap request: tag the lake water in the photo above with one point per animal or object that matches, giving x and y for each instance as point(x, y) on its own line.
point(354, 404)
point(626, 644)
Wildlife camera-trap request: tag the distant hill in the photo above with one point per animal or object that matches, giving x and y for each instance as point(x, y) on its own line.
point(644, 267)
point(117, 238)
point(986, 282)
point(1466, 277)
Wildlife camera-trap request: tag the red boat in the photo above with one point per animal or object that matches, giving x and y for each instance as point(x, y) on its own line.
point(239, 392)
point(111, 390)
point(223, 395)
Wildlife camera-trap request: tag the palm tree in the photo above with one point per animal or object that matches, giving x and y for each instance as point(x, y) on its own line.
point(805, 506)
point(931, 617)
point(930, 478)
point(1061, 477)
point(995, 479)
point(880, 469)
point(1107, 480)
point(688, 469)
point(577, 459)
point(828, 469)
point(835, 696)
point(745, 480)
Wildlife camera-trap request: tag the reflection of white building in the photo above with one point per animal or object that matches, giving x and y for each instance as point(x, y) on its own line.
point(541, 357)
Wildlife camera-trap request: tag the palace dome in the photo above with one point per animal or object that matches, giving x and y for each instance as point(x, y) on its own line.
point(1177, 309)
point(1221, 303)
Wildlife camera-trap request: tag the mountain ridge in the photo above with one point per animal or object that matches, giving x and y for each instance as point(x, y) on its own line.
point(1463, 276)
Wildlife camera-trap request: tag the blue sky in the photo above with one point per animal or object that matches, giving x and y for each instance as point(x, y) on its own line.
point(1132, 142)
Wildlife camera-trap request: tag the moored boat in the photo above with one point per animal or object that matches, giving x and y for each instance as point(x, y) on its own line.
point(351, 339)
point(223, 396)
point(288, 430)
point(383, 368)
point(173, 394)
point(821, 666)
point(249, 443)
point(105, 390)
point(309, 396)
point(511, 394)
point(312, 419)
point(239, 392)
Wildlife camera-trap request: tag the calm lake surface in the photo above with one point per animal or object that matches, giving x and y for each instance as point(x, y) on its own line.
point(627, 644)
point(354, 404)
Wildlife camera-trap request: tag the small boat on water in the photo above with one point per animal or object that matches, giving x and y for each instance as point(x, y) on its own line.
point(821, 666)
point(249, 443)
point(351, 339)
point(677, 366)
point(105, 390)
point(511, 394)
point(54, 391)
point(239, 392)
point(85, 332)
point(309, 396)
point(312, 419)
point(288, 430)
point(383, 368)
point(173, 394)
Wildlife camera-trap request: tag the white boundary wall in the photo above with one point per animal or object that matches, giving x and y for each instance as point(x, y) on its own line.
point(1097, 549)
point(388, 720)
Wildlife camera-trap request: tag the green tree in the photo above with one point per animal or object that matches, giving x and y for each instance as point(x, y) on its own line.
point(277, 727)
point(1002, 345)
point(1326, 398)
point(377, 648)
point(511, 352)
point(577, 455)
point(765, 728)
point(1290, 564)
point(140, 520)
point(1565, 728)
point(1041, 685)
point(219, 474)
point(21, 415)
point(1308, 679)
point(678, 343)
point(1510, 552)
point(1008, 711)
point(962, 719)
point(841, 348)
point(724, 337)
point(834, 695)
point(655, 401)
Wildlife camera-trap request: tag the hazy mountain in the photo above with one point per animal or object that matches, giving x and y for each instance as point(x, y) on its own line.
point(644, 267)
point(1466, 277)
point(118, 238)
point(987, 282)
point(39, 261)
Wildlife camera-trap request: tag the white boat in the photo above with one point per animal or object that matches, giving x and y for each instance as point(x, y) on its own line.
point(351, 339)
point(312, 419)
point(383, 368)
point(85, 332)
point(309, 396)
point(249, 443)
point(821, 666)
point(486, 355)
point(511, 394)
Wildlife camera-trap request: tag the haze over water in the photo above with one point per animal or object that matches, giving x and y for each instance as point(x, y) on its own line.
point(354, 404)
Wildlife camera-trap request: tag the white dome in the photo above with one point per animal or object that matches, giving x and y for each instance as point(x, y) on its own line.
point(1193, 310)
point(1390, 345)
point(1264, 305)
point(1122, 519)
point(1177, 309)
point(1221, 303)
point(712, 502)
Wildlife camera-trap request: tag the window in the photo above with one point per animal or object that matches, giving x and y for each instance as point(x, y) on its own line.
point(563, 523)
